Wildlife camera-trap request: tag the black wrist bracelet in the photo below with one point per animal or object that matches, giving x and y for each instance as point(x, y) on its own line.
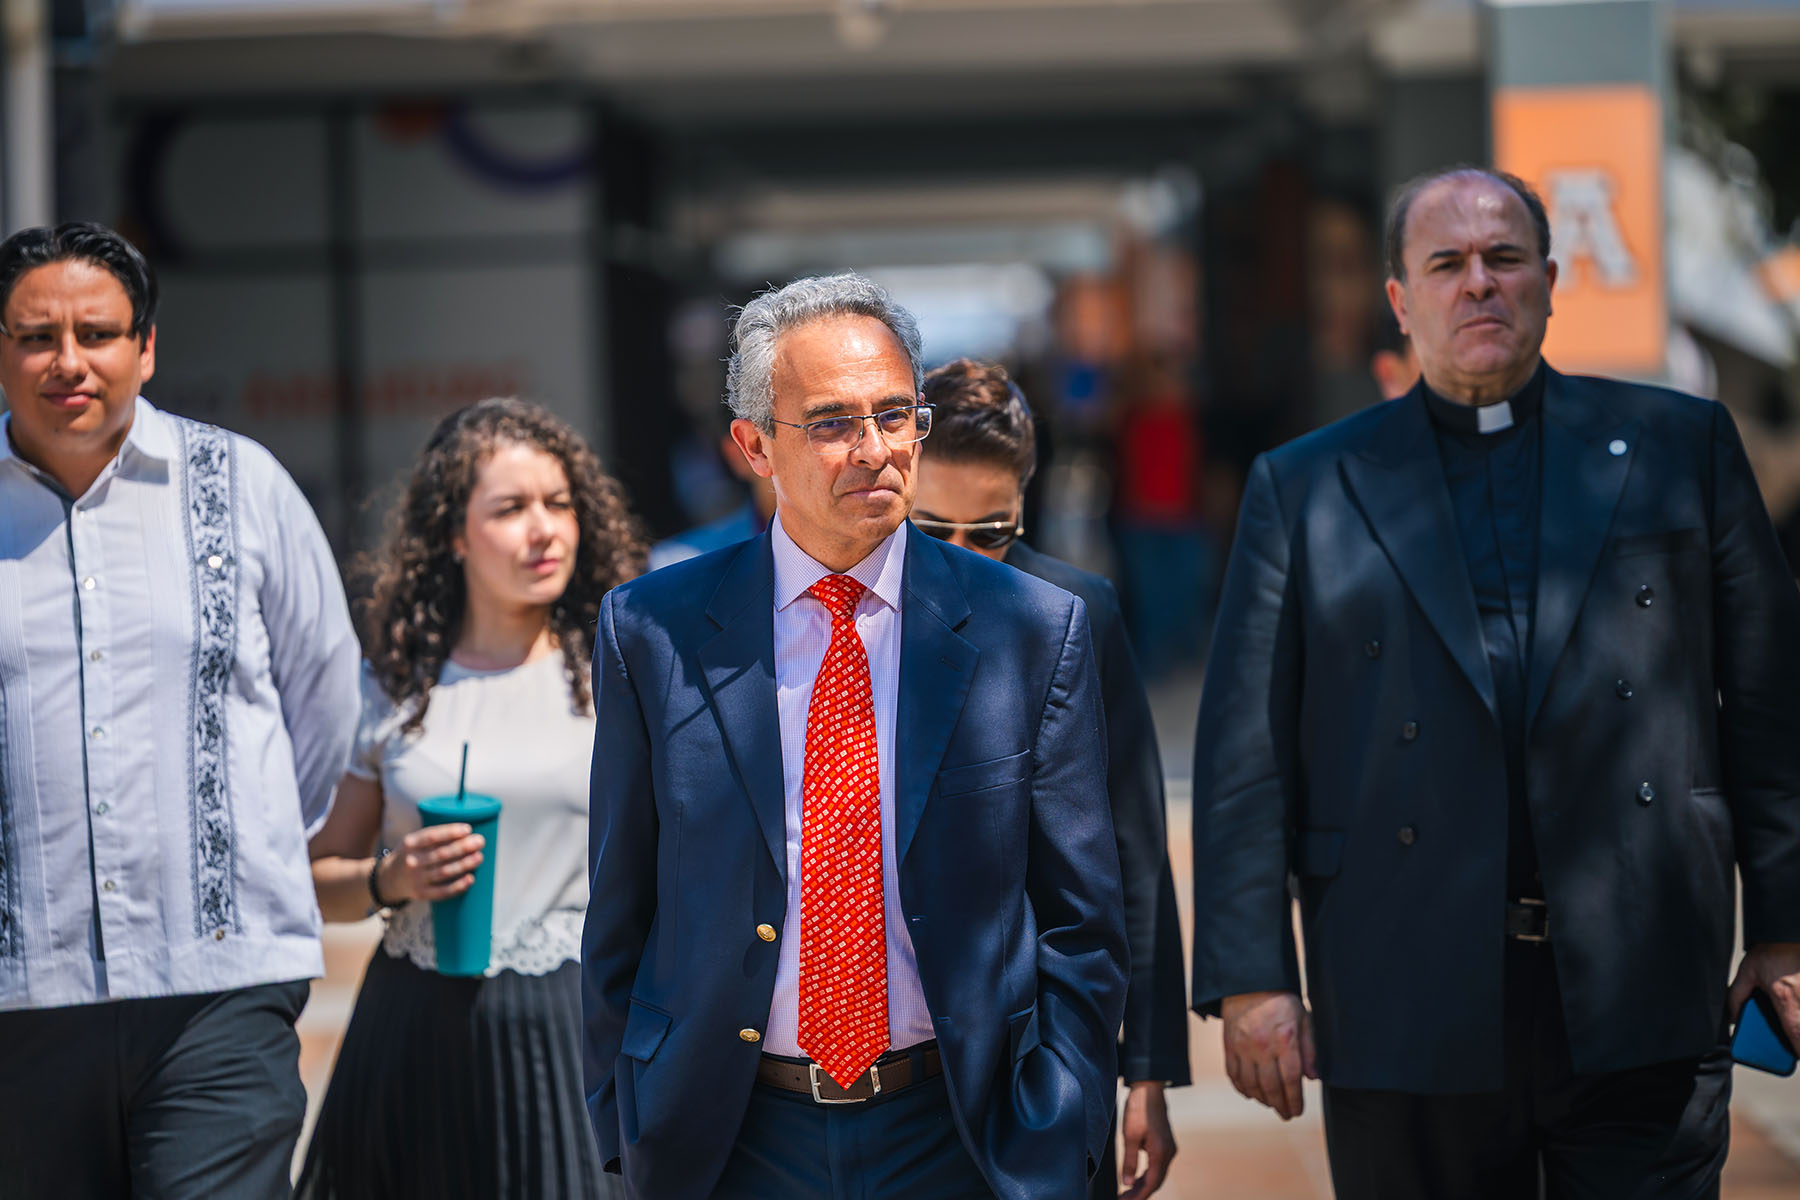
point(375, 886)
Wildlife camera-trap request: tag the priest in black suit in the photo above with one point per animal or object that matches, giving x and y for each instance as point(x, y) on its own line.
point(1503, 687)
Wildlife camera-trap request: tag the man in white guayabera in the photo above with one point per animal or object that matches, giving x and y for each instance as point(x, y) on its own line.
point(177, 697)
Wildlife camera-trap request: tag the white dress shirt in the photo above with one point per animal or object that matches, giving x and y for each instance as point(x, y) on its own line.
point(802, 634)
point(177, 699)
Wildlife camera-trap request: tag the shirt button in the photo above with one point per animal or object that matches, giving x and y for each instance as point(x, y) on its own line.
point(1372, 648)
point(102, 808)
point(766, 932)
point(750, 1035)
point(96, 655)
point(109, 886)
point(1408, 835)
point(218, 935)
point(1409, 731)
point(1646, 596)
point(88, 583)
point(1645, 794)
point(1623, 687)
point(214, 561)
point(96, 733)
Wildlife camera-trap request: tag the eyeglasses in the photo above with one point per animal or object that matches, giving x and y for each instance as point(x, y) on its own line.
point(898, 426)
point(984, 535)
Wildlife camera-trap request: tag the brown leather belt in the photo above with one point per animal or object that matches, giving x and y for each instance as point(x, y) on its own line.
point(1528, 920)
point(890, 1073)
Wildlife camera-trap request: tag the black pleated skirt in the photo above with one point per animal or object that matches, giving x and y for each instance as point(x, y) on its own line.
point(450, 1088)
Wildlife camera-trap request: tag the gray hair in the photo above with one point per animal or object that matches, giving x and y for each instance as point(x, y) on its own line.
point(749, 375)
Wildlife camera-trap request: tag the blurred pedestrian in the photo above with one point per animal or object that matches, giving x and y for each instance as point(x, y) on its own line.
point(972, 481)
point(1158, 523)
point(1393, 365)
point(739, 525)
point(1504, 674)
point(177, 695)
point(863, 931)
point(478, 637)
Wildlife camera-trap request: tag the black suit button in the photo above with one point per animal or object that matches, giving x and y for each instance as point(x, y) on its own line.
point(1372, 648)
point(1409, 731)
point(1623, 687)
point(1645, 794)
point(1408, 835)
point(1646, 596)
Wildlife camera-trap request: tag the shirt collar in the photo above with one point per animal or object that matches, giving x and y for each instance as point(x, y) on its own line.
point(796, 570)
point(151, 434)
point(1473, 420)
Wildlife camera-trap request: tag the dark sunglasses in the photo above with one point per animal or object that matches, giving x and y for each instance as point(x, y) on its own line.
point(986, 535)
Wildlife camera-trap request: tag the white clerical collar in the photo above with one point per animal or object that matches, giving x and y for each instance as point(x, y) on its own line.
point(1485, 420)
point(1492, 418)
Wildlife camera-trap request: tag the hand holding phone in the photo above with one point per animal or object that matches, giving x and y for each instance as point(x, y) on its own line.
point(1759, 1040)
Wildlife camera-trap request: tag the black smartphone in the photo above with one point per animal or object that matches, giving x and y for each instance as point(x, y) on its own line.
point(1759, 1041)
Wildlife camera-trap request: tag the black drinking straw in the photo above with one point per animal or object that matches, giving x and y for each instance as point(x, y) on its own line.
point(463, 777)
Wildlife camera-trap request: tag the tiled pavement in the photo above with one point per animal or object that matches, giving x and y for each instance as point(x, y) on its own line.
point(1230, 1149)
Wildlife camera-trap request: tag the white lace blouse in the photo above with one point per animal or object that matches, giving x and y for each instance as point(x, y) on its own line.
point(529, 749)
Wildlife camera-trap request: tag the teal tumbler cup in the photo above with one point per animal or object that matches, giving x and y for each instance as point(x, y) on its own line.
point(464, 925)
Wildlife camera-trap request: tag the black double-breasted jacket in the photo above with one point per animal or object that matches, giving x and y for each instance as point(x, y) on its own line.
point(1349, 746)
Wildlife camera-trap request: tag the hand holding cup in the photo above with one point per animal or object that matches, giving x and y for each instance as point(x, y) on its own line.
point(433, 863)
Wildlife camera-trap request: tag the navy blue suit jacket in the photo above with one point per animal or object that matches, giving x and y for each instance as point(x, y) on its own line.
point(1154, 1042)
point(1349, 737)
point(1009, 876)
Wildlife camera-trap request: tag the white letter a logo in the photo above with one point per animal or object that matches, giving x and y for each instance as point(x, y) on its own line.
point(1584, 229)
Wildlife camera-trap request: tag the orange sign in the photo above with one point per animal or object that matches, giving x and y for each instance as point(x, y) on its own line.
point(1595, 155)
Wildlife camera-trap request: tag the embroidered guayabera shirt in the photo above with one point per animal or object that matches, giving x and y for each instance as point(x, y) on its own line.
point(177, 699)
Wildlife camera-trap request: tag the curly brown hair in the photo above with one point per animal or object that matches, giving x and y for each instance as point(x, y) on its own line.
point(417, 595)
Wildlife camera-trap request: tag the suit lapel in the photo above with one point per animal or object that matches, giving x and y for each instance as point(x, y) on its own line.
point(1582, 480)
point(1398, 482)
point(937, 665)
point(738, 663)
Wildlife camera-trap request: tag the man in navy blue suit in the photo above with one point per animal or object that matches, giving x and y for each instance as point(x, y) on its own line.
point(856, 916)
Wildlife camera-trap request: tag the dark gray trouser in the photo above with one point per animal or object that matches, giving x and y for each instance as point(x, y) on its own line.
point(1658, 1132)
point(169, 1099)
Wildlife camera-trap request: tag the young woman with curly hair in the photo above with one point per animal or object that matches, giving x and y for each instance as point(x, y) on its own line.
point(477, 634)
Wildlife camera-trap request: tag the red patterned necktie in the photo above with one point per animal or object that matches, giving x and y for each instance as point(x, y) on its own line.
point(843, 1023)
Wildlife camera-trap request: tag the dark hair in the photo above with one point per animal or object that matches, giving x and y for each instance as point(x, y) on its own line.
point(981, 416)
point(1409, 191)
point(82, 241)
point(415, 610)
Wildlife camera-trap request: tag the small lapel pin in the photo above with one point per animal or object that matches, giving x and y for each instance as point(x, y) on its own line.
point(1616, 447)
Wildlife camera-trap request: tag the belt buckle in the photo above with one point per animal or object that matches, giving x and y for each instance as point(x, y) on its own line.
point(1528, 902)
point(874, 1078)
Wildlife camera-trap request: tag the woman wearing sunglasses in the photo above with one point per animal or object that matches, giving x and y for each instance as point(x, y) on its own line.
point(971, 492)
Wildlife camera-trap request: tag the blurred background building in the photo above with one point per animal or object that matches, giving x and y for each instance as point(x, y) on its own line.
point(1163, 214)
